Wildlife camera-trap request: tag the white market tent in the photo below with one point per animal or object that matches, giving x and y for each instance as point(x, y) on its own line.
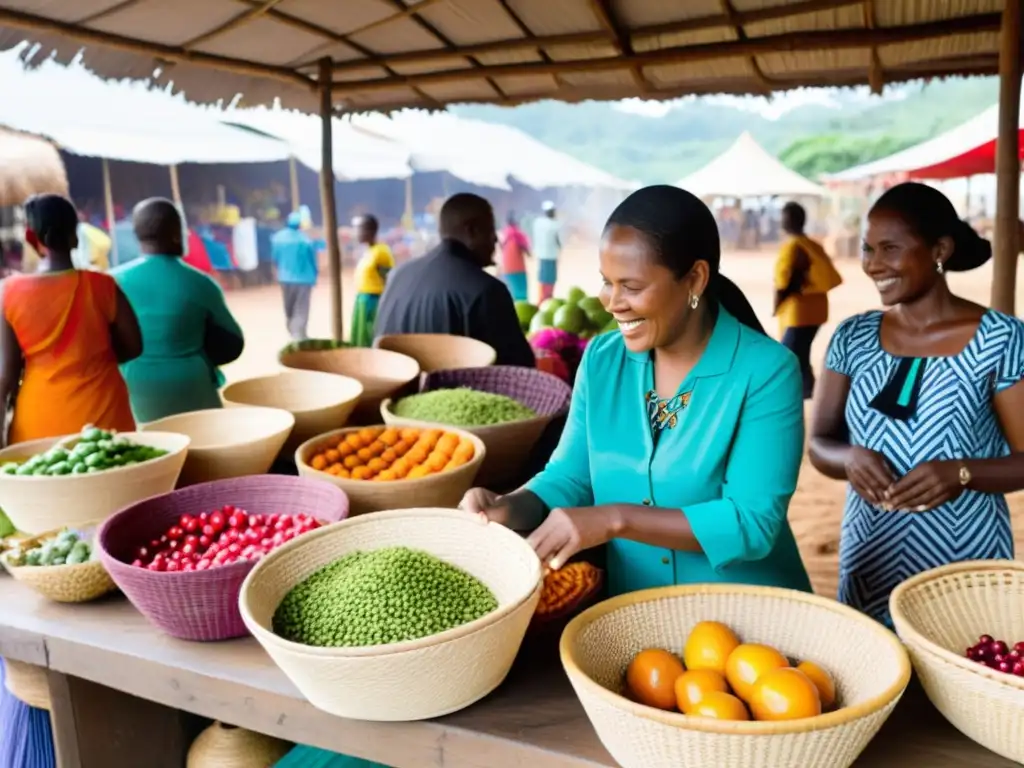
point(746, 169)
point(948, 146)
point(486, 154)
point(358, 155)
point(87, 116)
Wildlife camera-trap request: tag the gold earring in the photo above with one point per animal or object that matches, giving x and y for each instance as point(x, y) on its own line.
point(694, 300)
point(939, 268)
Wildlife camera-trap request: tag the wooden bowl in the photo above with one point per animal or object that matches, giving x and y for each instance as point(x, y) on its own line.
point(382, 373)
point(228, 442)
point(438, 351)
point(318, 401)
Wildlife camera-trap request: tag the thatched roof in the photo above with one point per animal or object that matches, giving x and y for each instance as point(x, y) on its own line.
point(28, 166)
point(387, 54)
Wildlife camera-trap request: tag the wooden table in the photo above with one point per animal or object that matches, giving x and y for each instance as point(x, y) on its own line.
point(124, 694)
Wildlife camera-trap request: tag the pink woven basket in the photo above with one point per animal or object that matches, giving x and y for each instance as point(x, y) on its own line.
point(203, 605)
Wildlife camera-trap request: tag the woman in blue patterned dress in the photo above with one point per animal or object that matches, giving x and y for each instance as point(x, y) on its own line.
point(921, 407)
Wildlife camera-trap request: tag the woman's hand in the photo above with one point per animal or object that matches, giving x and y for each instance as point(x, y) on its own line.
point(489, 505)
point(925, 487)
point(869, 473)
point(569, 530)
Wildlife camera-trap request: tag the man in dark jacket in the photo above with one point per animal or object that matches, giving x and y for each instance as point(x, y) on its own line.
point(448, 291)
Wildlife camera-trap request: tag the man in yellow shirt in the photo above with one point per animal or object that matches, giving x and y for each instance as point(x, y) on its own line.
point(371, 275)
point(804, 274)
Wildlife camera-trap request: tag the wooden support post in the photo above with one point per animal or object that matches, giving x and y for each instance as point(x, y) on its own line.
point(108, 205)
point(330, 214)
point(1007, 248)
point(175, 186)
point(407, 217)
point(293, 182)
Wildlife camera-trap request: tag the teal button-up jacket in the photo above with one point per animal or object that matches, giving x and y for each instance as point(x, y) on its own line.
point(730, 464)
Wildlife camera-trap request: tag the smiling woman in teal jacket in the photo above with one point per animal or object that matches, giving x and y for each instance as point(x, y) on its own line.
point(685, 434)
point(686, 430)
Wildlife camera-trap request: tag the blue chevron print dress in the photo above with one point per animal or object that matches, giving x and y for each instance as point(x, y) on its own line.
point(954, 420)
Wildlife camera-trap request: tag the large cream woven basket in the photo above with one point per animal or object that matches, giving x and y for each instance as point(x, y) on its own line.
point(412, 680)
point(939, 614)
point(868, 662)
point(39, 504)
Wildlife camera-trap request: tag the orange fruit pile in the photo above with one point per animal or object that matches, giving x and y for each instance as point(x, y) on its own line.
point(389, 453)
point(722, 678)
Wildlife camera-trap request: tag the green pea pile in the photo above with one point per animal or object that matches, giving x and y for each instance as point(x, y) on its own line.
point(462, 407)
point(388, 595)
point(95, 451)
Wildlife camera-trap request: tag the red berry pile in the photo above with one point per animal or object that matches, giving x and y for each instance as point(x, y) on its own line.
point(226, 536)
point(996, 654)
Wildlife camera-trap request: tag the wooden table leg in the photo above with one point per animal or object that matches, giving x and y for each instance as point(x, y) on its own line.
point(98, 727)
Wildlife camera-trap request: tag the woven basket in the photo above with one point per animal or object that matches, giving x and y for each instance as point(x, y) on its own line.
point(445, 489)
point(38, 504)
point(938, 615)
point(224, 746)
point(869, 665)
point(412, 680)
point(382, 373)
point(202, 605)
point(64, 583)
point(439, 351)
point(228, 442)
point(27, 683)
point(318, 401)
point(508, 445)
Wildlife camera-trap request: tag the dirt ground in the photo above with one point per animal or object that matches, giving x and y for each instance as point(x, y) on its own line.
point(816, 510)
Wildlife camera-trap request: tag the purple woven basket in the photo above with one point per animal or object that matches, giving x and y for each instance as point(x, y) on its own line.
point(543, 393)
point(203, 605)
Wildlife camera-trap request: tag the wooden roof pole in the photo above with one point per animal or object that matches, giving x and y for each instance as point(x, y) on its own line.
point(1007, 248)
point(327, 203)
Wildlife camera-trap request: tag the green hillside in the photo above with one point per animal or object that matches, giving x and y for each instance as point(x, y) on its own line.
point(812, 139)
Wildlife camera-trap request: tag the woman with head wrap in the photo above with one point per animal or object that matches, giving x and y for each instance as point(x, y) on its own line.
point(921, 406)
point(63, 333)
point(684, 438)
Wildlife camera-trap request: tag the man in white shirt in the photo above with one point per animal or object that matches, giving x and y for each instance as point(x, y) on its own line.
point(547, 244)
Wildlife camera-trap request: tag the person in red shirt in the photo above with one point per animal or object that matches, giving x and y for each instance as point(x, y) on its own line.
point(515, 249)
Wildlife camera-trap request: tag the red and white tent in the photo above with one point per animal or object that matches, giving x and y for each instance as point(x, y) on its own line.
point(967, 150)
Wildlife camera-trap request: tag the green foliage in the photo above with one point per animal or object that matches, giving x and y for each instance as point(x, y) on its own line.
point(813, 138)
point(828, 153)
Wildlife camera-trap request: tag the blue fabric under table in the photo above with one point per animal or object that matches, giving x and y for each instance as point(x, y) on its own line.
point(26, 738)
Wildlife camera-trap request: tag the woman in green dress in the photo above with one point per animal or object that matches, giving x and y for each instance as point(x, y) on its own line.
point(187, 328)
point(685, 434)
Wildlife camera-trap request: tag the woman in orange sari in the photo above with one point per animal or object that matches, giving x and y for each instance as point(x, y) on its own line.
point(62, 334)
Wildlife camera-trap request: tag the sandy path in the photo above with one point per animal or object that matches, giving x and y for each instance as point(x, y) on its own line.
point(817, 507)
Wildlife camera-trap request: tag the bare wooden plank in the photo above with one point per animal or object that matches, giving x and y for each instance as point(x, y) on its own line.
point(98, 727)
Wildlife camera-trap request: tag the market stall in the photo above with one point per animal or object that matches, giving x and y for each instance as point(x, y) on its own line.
point(386, 56)
point(119, 688)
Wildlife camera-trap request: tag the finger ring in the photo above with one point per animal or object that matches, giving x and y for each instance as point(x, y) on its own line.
point(921, 508)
